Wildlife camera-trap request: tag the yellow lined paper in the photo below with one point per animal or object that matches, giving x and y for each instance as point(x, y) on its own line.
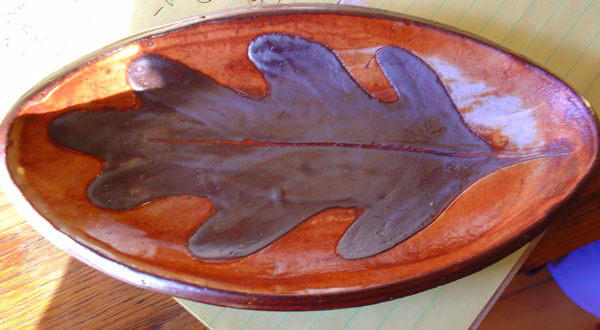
point(452, 306)
point(559, 35)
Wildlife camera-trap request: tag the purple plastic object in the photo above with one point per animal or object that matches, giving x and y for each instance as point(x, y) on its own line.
point(578, 275)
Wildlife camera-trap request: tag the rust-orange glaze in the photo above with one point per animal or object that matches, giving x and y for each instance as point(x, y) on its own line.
point(514, 106)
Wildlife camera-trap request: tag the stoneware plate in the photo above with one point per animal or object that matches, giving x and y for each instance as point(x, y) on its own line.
point(296, 157)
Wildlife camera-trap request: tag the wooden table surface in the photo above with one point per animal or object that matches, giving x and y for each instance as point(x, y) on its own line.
point(43, 287)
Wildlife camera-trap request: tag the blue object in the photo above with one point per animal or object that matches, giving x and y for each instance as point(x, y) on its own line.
point(578, 275)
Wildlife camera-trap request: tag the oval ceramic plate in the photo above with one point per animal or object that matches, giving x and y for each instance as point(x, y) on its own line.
point(296, 158)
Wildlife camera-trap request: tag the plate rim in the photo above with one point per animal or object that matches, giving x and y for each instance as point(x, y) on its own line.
point(283, 302)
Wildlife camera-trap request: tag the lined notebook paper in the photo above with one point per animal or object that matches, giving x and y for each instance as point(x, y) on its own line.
point(559, 35)
point(452, 306)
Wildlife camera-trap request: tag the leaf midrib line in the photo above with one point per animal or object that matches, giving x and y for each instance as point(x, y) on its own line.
point(369, 146)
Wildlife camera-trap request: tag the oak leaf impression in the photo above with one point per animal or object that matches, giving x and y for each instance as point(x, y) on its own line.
point(317, 141)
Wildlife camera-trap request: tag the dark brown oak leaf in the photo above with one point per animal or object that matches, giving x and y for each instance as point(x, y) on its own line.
point(316, 141)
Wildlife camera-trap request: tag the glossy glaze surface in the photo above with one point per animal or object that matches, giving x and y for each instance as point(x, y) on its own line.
point(317, 141)
point(127, 162)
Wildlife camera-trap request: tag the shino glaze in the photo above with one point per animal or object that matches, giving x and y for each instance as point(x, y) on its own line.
point(308, 157)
